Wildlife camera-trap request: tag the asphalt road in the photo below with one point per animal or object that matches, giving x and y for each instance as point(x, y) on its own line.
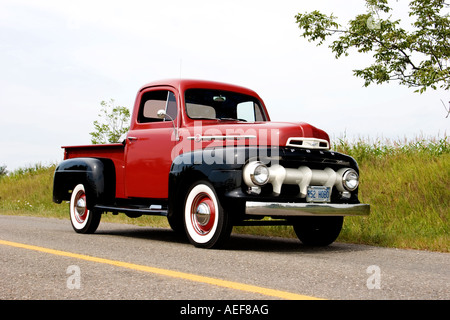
point(130, 262)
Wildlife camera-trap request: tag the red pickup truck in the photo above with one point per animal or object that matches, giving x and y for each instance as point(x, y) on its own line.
point(206, 155)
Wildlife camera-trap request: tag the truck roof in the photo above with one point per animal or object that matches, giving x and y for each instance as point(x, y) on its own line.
point(184, 84)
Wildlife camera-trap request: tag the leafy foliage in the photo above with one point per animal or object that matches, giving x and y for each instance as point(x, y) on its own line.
point(113, 124)
point(3, 171)
point(416, 57)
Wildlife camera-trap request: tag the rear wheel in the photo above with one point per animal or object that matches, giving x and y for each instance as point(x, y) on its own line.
point(206, 223)
point(82, 219)
point(318, 231)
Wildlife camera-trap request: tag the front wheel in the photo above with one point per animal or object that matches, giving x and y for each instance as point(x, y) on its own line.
point(82, 219)
point(318, 231)
point(206, 222)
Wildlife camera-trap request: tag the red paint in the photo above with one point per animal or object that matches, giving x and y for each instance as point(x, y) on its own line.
point(143, 162)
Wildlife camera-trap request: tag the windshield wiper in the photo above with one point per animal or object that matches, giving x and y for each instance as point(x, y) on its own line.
point(231, 119)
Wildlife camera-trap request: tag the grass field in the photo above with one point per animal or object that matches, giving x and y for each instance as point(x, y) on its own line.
point(406, 182)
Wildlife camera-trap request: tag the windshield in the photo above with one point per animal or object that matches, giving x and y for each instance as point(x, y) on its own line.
point(222, 105)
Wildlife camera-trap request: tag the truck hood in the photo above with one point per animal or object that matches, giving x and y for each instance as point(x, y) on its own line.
point(298, 134)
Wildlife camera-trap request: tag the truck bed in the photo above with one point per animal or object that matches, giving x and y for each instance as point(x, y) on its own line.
point(114, 151)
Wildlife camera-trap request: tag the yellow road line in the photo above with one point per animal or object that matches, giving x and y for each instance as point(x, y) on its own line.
point(168, 273)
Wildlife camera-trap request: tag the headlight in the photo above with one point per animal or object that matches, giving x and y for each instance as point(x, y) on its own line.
point(350, 180)
point(256, 173)
point(260, 175)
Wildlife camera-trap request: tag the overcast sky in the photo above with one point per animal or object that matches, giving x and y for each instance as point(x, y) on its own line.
point(60, 59)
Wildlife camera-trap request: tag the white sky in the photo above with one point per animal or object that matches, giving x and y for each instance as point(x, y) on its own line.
point(59, 59)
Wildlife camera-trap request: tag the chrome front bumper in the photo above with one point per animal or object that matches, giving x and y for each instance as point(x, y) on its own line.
point(306, 209)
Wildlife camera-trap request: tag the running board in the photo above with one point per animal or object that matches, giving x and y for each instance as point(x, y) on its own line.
point(152, 210)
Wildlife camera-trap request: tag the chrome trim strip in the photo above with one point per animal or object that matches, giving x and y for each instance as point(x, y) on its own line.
point(209, 138)
point(305, 209)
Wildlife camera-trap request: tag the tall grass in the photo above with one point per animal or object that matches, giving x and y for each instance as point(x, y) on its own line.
point(407, 184)
point(366, 150)
point(29, 191)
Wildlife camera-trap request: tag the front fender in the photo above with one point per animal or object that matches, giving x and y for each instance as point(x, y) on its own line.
point(222, 167)
point(192, 166)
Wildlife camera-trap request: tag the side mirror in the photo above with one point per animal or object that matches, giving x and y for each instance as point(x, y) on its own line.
point(162, 115)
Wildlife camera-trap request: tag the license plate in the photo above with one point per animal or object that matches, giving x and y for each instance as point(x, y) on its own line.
point(318, 194)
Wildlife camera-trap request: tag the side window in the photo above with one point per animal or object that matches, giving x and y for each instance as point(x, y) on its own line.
point(153, 101)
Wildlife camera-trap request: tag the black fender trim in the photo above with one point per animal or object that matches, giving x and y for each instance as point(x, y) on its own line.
point(214, 165)
point(210, 165)
point(97, 176)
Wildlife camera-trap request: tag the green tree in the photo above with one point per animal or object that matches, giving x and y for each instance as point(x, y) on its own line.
point(417, 55)
point(3, 171)
point(113, 124)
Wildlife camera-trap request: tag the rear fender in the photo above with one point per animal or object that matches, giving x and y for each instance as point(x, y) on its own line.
point(97, 176)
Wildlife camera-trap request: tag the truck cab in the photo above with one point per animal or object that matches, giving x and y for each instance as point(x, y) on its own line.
point(206, 155)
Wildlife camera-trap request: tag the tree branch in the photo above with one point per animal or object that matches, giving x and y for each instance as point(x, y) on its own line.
point(448, 111)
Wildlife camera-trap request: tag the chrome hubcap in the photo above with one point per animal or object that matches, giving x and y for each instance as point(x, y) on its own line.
point(203, 214)
point(80, 206)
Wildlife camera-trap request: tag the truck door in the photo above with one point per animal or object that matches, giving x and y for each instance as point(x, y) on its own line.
point(149, 145)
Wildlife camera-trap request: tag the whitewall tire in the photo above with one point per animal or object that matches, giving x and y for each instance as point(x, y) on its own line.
point(82, 219)
point(207, 224)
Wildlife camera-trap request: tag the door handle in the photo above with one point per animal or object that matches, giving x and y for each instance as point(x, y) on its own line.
point(132, 138)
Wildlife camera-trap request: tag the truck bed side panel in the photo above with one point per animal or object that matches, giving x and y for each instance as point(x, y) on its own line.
point(115, 152)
